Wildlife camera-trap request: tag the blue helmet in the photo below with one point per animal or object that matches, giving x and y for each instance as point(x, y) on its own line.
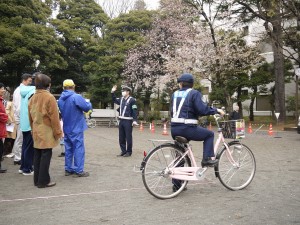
point(186, 77)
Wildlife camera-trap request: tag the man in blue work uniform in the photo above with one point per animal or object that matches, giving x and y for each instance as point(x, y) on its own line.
point(186, 107)
point(72, 107)
point(127, 117)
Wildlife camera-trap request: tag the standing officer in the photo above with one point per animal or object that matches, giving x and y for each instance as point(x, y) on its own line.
point(186, 107)
point(127, 117)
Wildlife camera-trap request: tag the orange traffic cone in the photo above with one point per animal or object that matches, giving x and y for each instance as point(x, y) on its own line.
point(165, 132)
point(270, 130)
point(152, 127)
point(250, 129)
point(141, 126)
point(209, 127)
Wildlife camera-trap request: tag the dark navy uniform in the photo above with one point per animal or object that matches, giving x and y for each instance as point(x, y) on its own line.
point(186, 123)
point(127, 115)
point(186, 107)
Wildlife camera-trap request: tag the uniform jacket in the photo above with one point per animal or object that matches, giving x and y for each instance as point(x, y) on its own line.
point(234, 115)
point(72, 107)
point(26, 92)
point(3, 119)
point(193, 106)
point(131, 109)
point(44, 120)
point(11, 119)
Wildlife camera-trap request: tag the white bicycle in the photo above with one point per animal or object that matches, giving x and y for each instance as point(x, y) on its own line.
point(91, 123)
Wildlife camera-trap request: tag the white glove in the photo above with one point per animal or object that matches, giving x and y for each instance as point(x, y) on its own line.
point(134, 123)
point(221, 112)
point(114, 88)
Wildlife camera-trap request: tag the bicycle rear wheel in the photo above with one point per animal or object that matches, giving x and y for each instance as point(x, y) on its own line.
point(156, 174)
point(238, 175)
point(92, 123)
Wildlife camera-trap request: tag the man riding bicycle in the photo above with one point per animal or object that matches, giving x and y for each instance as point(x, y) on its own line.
point(186, 107)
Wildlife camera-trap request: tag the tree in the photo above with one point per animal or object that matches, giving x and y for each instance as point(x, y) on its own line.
point(121, 34)
point(139, 5)
point(25, 38)
point(273, 13)
point(79, 25)
point(146, 66)
point(232, 62)
point(178, 43)
point(257, 83)
point(114, 8)
point(221, 56)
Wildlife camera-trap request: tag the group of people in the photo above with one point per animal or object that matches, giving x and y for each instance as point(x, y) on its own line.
point(38, 127)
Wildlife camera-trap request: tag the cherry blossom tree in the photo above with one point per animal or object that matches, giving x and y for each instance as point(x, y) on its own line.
point(178, 42)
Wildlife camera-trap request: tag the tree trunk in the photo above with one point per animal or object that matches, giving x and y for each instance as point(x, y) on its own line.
point(278, 69)
point(239, 103)
point(146, 105)
point(251, 113)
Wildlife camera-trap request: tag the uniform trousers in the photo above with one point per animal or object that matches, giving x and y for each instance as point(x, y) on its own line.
point(74, 152)
point(27, 153)
point(196, 133)
point(125, 136)
point(41, 163)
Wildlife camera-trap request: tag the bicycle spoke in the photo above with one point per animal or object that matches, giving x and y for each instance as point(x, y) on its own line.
point(236, 174)
point(156, 175)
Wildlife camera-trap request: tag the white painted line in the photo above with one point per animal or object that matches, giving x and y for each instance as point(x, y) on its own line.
point(86, 193)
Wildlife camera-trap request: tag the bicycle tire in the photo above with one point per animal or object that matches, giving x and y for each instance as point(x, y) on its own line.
point(157, 182)
point(236, 177)
point(92, 123)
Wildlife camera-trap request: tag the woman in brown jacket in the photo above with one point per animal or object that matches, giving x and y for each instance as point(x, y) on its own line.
point(46, 130)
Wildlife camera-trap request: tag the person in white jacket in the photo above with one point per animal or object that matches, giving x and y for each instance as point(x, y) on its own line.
point(26, 80)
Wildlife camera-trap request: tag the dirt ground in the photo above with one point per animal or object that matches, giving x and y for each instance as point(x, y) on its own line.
point(115, 194)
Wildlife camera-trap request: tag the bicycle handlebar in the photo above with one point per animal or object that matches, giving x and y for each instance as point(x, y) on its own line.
point(217, 117)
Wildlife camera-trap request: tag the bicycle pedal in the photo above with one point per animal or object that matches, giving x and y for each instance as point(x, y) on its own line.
point(200, 173)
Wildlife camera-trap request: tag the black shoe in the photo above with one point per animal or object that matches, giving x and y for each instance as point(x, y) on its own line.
point(3, 170)
point(17, 162)
point(209, 162)
point(127, 154)
point(176, 188)
point(51, 184)
point(121, 154)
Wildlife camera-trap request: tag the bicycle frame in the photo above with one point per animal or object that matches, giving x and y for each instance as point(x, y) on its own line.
point(194, 172)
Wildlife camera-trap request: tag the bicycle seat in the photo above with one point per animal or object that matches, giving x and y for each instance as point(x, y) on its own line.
point(181, 139)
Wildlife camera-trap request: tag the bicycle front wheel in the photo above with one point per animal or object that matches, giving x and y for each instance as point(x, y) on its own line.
point(156, 173)
point(236, 168)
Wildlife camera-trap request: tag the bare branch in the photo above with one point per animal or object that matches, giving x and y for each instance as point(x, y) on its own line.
point(113, 8)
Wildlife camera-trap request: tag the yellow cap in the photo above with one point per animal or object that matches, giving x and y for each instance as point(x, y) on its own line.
point(68, 83)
